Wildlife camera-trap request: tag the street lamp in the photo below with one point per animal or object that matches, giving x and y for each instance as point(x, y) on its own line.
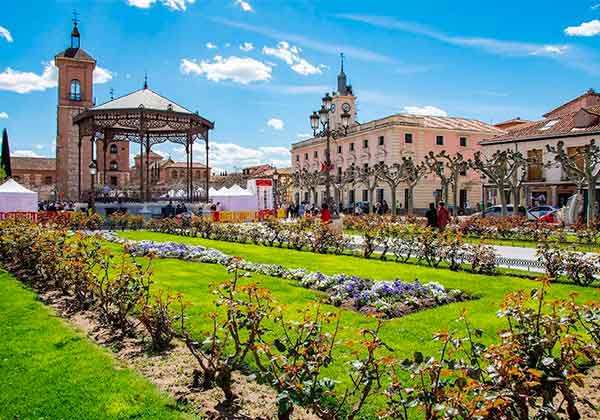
point(275, 192)
point(93, 170)
point(321, 120)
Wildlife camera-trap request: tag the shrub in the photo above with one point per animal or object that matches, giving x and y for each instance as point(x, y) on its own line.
point(159, 318)
point(552, 259)
point(580, 268)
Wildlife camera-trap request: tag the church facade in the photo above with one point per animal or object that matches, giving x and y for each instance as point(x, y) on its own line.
point(387, 140)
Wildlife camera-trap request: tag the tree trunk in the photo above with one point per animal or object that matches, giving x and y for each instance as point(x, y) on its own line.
point(393, 191)
point(502, 193)
point(371, 199)
point(591, 198)
point(410, 204)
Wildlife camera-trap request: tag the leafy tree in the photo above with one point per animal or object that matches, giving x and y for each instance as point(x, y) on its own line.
point(500, 169)
point(5, 159)
point(348, 177)
point(2, 174)
point(582, 168)
point(448, 169)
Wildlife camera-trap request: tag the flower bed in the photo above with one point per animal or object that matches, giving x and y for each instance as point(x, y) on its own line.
point(391, 298)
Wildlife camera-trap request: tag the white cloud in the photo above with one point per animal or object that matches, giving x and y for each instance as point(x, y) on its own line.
point(177, 5)
point(25, 82)
point(247, 47)
point(304, 136)
point(246, 7)
point(591, 28)
point(237, 69)
point(290, 54)
point(210, 46)
point(276, 124)
point(5, 33)
point(595, 6)
point(497, 46)
point(425, 110)
point(3, 116)
point(25, 153)
point(231, 156)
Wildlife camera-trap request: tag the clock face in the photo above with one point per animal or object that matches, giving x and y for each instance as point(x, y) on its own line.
point(346, 107)
point(333, 108)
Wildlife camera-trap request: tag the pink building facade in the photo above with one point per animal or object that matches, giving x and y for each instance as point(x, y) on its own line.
point(387, 140)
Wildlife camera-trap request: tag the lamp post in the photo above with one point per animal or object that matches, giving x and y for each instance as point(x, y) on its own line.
point(275, 192)
point(319, 122)
point(93, 170)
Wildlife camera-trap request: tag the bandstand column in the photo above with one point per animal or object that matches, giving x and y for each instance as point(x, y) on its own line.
point(207, 170)
point(104, 148)
point(147, 197)
point(79, 167)
point(191, 143)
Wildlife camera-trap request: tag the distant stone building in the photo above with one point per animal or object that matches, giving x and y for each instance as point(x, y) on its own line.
point(575, 122)
point(37, 174)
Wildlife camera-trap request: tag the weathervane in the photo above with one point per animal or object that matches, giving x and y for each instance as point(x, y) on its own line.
point(75, 17)
point(145, 80)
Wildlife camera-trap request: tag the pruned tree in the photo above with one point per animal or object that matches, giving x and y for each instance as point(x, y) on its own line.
point(284, 183)
point(348, 177)
point(413, 173)
point(309, 180)
point(448, 169)
point(393, 176)
point(368, 177)
point(500, 169)
point(583, 168)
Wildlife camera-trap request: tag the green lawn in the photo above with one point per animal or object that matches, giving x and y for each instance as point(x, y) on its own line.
point(405, 335)
point(50, 371)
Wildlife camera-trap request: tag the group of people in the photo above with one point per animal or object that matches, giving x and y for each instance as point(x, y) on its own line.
point(171, 211)
point(56, 206)
point(438, 217)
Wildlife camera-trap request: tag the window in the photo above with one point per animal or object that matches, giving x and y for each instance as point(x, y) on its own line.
point(351, 197)
point(463, 197)
point(365, 166)
point(340, 149)
point(306, 156)
point(297, 158)
point(113, 149)
point(75, 93)
point(379, 194)
point(365, 195)
point(463, 172)
point(406, 198)
point(381, 140)
point(48, 180)
point(114, 181)
point(534, 167)
point(352, 147)
point(316, 154)
point(174, 175)
point(463, 141)
point(408, 138)
point(114, 166)
point(365, 144)
point(339, 171)
point(381, 162)
point(439, 140)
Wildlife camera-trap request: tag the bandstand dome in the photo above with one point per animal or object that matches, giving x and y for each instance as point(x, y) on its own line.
point(146, 118)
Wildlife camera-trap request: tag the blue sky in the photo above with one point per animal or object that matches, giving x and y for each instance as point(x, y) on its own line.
point(259, 67)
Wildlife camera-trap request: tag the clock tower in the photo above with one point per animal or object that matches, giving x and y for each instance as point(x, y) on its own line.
point(75, 93)
point(343, 100)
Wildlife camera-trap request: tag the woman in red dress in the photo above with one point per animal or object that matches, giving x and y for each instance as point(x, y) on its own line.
point(325, 214)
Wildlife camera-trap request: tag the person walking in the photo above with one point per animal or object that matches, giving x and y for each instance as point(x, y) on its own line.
point(325, 214)
point(443, 216)
point(431, 216)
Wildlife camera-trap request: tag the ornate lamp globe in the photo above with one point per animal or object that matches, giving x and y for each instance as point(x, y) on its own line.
point(327, 102)
point(314, 121)
point(346, 119)
point(323, 115)
point(92, 168)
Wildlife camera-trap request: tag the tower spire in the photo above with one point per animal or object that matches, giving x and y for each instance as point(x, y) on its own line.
point(342, 85)
point(75, 37)
point(145, 80)
point(342, 60)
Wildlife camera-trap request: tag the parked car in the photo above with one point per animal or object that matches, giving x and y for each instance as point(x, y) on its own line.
point(496, 211)
point(552, 217)
point(534, 213)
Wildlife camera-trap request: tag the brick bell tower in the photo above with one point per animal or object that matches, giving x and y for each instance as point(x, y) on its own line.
point(75, 93)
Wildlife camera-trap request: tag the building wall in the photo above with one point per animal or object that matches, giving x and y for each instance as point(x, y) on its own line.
point(41, 181)
point(553, 183)
point(394, 147)
point(121, 158)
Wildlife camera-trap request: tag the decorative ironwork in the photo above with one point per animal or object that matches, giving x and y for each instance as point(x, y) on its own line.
point(147, 127)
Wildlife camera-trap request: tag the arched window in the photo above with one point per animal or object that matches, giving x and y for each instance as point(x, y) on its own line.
point(174, 174)
point(114, 166)
point(75, 90)
point(113, 149)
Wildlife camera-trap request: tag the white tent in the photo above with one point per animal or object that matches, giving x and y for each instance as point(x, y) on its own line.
point(234, 198)
point(16, 198)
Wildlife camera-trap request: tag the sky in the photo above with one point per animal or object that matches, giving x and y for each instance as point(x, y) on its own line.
point(258, 68)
